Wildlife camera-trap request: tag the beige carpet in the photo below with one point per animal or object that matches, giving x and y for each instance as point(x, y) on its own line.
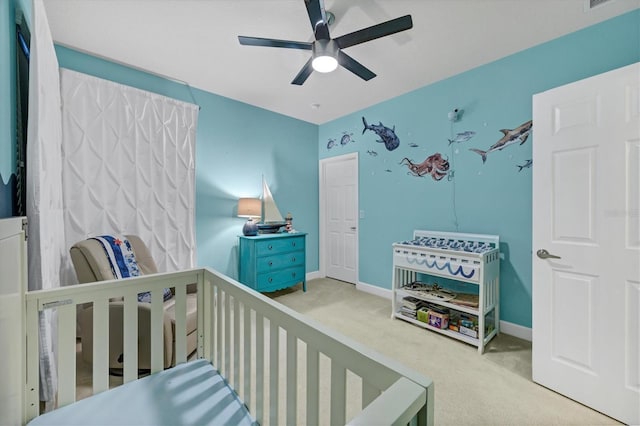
point(471, 389)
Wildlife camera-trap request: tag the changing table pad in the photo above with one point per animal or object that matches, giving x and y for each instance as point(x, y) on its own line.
point(449, 244)
point(193, 393)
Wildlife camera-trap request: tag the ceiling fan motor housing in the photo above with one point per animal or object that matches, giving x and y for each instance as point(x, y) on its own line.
point(325, 55)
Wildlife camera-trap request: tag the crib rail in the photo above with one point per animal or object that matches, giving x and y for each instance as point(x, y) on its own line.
point(287, 368)
point(246, 319)
point(62, 304)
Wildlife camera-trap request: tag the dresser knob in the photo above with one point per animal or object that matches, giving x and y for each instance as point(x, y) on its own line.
point(293, 274)
point(293, 243)
point(270, 247)
point(270, 263)
point(293, 259)
point(270, 279)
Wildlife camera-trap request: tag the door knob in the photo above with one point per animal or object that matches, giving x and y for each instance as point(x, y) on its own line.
point(544, 254)
point(353, 228)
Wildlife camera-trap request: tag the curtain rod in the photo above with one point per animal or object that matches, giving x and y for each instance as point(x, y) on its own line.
point(135, 67)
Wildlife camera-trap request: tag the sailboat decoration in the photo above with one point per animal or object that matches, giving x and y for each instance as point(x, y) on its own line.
point(272, 220)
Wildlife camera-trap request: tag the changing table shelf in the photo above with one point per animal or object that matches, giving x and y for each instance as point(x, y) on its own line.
point(468, 258)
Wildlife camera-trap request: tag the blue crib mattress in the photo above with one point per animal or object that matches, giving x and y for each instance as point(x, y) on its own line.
point(193, 393)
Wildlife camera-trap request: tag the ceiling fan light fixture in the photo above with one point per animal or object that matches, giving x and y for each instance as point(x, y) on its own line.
point(324, 63)
point(325, 54)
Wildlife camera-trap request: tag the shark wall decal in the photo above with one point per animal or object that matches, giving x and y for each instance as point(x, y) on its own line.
point(519, 134)
point(387, 135)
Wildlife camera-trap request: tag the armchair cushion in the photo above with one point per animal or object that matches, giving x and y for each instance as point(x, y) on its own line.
point(91, 264)
point(122, 260)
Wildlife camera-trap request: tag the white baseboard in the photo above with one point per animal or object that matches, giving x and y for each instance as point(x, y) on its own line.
point(312, 275)
point(516, 330)
point(374, 289)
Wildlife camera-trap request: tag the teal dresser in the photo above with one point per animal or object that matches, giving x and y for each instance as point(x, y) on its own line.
point(272, 262)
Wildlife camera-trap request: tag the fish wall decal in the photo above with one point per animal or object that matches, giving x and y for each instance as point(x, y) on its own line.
point(387, 136)
point(519, 134)
point(462, 137)
point(346, 138)
point(527, 164)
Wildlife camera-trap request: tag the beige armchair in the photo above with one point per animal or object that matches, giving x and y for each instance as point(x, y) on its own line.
point(91, 264)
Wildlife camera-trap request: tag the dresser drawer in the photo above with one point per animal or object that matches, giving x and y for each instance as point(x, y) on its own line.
point(279, 245)
point(279, 261)
point(281, 279)
point(272, 262)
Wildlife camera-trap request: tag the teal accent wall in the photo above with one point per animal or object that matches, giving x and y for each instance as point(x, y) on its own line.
point(24, 6)
point(7, 106)
point(236, 144)
point(490, 198)
point(8, 114)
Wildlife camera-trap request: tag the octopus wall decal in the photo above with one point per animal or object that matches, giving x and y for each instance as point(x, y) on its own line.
point(435, 165)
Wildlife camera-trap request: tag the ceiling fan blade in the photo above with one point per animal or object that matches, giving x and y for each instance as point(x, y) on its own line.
point(304, 73)
point(270, 42)
point(376, 31)
point(318, 19)
point(354, 66)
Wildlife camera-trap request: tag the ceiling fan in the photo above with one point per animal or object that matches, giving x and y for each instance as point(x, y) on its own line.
point(327, 52)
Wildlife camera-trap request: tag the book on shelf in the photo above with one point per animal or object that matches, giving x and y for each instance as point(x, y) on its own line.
point(411, 313)
point(437, 308)
point(412, 302)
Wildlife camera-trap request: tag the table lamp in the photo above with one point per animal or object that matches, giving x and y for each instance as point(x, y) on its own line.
point(250, 208)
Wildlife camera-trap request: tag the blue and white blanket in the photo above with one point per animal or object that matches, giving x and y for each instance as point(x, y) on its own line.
point(123, 261)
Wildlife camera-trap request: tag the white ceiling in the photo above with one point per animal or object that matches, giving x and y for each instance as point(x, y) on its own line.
point(195, 41)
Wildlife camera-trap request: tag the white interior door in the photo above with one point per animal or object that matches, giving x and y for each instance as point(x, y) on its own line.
point(13, 283)
point(586, 198)
point(339, 205)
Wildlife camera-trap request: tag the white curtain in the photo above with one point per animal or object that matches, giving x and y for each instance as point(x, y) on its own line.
point(125, 165)
point(44, 183)
point(128, 167)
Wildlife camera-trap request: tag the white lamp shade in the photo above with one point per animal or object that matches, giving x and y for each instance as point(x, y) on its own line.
point(249, 207)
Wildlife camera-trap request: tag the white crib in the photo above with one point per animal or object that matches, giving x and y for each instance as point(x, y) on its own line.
point(286, 368)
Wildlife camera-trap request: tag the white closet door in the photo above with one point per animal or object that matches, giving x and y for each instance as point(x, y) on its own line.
point(586, 186)
point(339, 180)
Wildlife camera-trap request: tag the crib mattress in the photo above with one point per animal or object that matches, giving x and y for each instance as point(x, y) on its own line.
point(193, 393)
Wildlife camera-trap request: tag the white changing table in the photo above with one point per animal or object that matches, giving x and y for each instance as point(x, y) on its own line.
point(471, 258)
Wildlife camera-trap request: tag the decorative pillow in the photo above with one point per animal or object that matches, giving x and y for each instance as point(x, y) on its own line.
point(123, 262)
